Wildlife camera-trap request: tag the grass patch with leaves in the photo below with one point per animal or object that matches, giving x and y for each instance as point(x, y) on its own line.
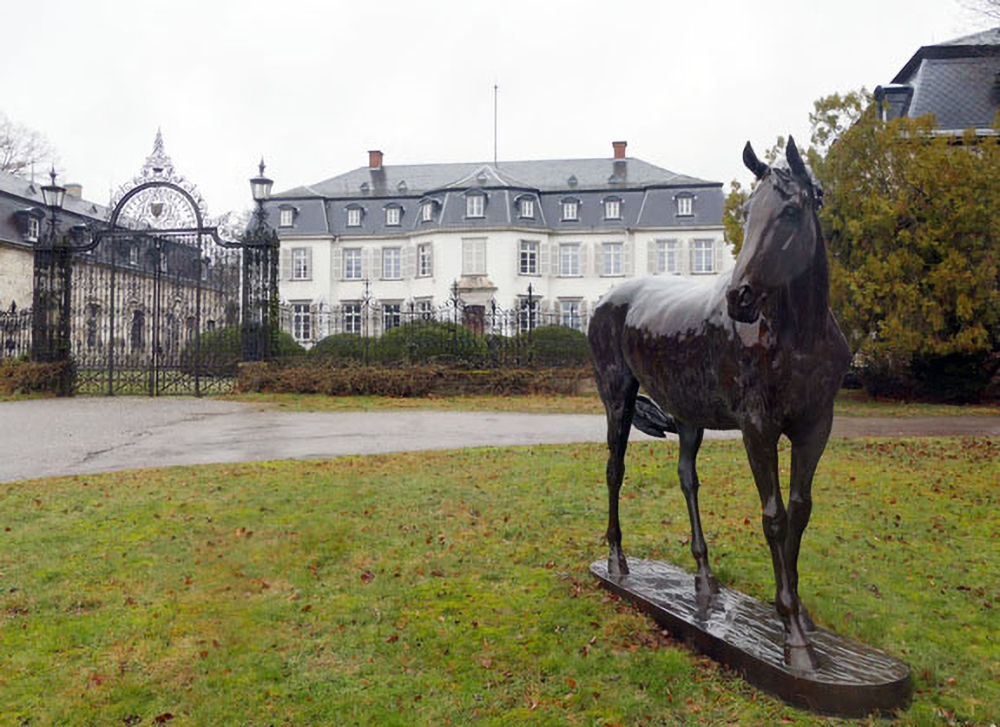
point(453, 586)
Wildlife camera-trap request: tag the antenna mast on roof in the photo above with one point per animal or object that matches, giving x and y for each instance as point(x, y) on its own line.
point(495, 89)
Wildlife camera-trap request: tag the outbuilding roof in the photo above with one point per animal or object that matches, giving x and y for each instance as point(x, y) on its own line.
point(958, 81)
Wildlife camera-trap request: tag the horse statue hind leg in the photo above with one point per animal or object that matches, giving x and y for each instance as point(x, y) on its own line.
point(618, 388)
point(706, 585)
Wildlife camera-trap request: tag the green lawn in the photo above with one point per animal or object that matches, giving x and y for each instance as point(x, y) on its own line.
point(849, 403)
point(449, 587)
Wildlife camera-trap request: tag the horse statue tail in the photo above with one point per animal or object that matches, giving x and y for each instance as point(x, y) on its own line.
point(651, 419)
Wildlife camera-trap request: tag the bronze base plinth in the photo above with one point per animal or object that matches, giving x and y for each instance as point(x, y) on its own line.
point(745, 634)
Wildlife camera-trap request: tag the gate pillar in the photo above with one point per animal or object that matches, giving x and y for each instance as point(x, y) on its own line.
point(50, 324)
point(259, 315)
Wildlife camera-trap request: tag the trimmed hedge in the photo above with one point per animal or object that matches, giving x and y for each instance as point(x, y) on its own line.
point(555, 346)
point(953, 379)
point(412, 381)
point(442, 342)
point(340, 347)
point(221, 350)
point(28, 377)
point(420, 342)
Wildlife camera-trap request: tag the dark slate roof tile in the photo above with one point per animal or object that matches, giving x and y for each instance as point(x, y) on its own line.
point(545, 175)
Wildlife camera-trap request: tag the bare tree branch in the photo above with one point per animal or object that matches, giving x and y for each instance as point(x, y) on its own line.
point(20, 146)
point(986, 8)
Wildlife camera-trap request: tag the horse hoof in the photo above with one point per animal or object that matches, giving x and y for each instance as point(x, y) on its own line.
point(801, 658)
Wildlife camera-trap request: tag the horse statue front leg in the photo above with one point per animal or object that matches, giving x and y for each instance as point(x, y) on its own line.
point(762, 452)
point(808, 444)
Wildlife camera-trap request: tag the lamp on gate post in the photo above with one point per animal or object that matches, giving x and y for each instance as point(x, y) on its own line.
point(53, 196)
point(260, 277)
point(260, 187)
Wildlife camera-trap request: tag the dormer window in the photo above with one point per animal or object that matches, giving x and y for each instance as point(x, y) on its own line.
point(285, 217)
point(685, 205)
point(392, 215)
point(30, 223)
point(570, 209)
point(612, 208)
point(427, 211)
point(475, 205)
point(526, 207)
point(354, 217)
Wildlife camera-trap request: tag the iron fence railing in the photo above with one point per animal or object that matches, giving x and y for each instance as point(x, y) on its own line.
point(15, 333)
point(414, 332)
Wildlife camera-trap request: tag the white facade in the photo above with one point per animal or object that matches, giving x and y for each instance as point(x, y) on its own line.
point(488, 253)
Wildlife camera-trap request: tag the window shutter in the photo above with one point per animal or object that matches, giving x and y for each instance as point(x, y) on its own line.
point(467, 254)
point(286, 264)
point(309, 263)
point(627, 258)
point(584, 258)
point(430, 256)
point(651, 258)
point(409, 262)
point(598, 259)
point(683, 259)
point(720, 249)
point(337, 266)
point(544, 258)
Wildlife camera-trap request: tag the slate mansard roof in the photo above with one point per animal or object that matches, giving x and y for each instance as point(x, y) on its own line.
point(19, 195)
point(647, 194)
point(958, 81)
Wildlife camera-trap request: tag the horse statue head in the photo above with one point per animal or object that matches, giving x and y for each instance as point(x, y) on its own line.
point(782, 232)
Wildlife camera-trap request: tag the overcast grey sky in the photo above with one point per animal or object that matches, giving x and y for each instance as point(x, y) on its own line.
point(313, 85)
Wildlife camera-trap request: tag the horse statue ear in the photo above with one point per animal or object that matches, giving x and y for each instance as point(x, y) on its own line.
point(795, 162)
point(754, 164)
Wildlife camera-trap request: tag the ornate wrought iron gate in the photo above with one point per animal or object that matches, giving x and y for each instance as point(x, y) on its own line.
point(156, 302)
point(155, 314)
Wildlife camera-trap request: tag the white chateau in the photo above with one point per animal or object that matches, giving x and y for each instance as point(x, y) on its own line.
point(398, 238)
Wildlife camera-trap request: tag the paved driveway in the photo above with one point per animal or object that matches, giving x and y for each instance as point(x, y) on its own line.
point(82, 435)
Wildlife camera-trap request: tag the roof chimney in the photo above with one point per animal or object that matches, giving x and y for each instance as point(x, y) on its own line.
point(73, 189)
point(619, 147)
point(375, 159)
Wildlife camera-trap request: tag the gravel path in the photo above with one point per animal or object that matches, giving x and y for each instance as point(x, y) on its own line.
point(82, 436)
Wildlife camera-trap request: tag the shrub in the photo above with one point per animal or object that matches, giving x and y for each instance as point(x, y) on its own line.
point(951, 379)
point(346, 347)
point(954, 379)
point(555, 346)
point(28, 377)
point(220, 351)
point(421, 342)
point(413, 381)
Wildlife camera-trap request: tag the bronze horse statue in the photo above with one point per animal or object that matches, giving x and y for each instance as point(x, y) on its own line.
point(758, 351)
